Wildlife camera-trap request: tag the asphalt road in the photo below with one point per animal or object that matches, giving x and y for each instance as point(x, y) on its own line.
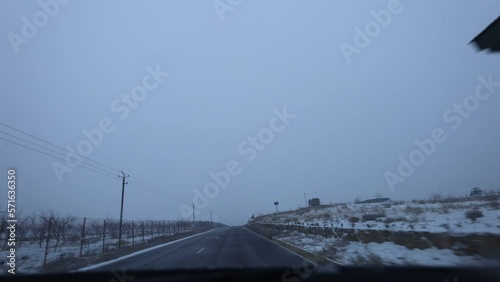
point(222, 248)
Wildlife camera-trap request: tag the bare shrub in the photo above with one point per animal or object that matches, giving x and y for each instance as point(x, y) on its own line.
point(445, 226)
point(326, 216)
point(372, 216)
point(414, 210)
point(354, 219)
point(491, 197)
point(394, 219)
point(450, 199)
point(473, 214)
point(436, 197)
point(445, 208)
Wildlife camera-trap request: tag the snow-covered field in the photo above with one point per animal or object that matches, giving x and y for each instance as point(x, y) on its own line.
point(30, 256)
point(405, 216)
point(387, 253)
point(479, 216)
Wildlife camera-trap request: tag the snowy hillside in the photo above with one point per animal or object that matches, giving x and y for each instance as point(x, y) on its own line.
point(462, 231)
point(461, 217)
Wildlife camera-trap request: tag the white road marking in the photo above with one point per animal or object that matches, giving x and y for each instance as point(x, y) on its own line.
point(201, 250)
point(138, 252)
point(217, 238)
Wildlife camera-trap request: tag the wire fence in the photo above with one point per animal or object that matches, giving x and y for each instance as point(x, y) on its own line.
point(54, 235)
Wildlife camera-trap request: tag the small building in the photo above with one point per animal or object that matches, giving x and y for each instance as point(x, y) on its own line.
point(376, 200)
point(476, 191)
point(314, 202)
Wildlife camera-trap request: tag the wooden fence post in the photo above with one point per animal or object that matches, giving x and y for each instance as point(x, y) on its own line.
point(47, 242)
point(83, 235)
point(143, 232)
point(152, 234)
point(133, 232)
point(103, 235)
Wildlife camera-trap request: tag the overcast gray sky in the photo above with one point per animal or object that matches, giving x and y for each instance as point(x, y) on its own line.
point(232, 65)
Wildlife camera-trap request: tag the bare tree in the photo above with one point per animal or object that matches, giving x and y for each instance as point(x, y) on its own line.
point(49, 217)
point(96, 228)
point(37, 228)
point(112, 227)
point(64, 227)
point(3, 231)
point(22, 228)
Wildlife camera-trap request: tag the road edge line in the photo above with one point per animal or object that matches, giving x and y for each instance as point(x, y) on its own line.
point(138, 252)
point(319, 258)
point(313, 257)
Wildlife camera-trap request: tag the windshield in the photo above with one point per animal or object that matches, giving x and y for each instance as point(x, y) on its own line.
point(234, 134)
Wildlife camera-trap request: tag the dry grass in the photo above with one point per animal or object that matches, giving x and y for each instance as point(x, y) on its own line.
point(414, 210)
point(354, 219)
point(373, 216)
point(494, 204)
point(389, 220)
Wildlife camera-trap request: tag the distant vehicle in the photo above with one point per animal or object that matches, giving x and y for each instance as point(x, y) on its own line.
point(476, 192)
point(314, 202)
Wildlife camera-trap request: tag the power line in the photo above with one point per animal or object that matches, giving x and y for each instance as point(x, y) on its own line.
point(143, 182)
point(156, 192)
point(52, 144)
point(93, 170)
point(157, 189)
point(55, 157)
point(145, 186)
point(48, 149)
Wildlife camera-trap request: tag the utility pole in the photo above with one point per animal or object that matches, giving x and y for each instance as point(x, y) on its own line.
point(276, 204)
point(194, 222)
point(123, 176)
point(210, 218)
point(220, 219)
point(305, 199)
